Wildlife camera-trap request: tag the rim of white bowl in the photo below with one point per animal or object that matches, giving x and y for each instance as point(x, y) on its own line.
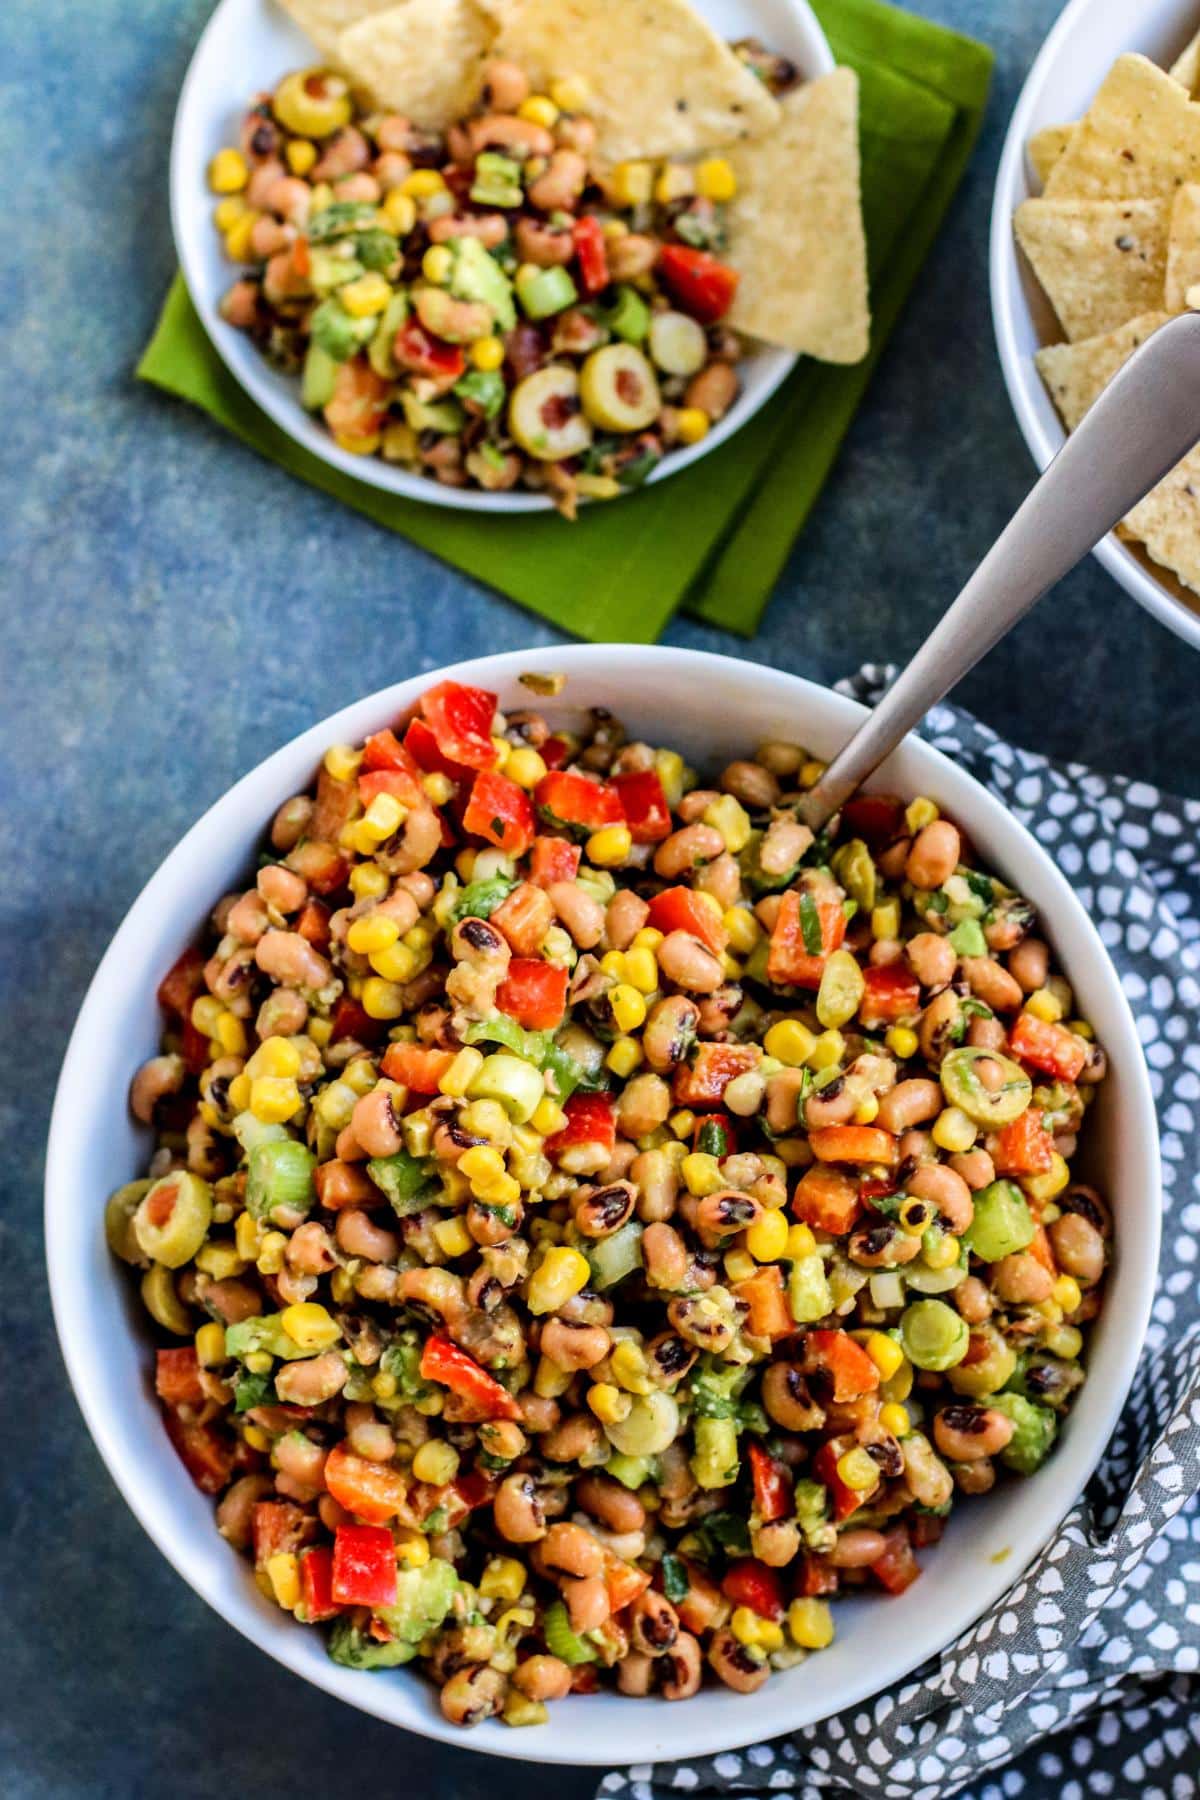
point(1043, 1504)
point(191, 148)
point(1025, 391)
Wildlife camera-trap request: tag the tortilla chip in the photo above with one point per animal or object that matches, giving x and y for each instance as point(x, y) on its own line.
point(1183, 248)
point(423, 59)
point(325, 20)
point(663, 82)
point(1101, 262)
point(1075, 373)
point(1186, 67)
point(1167, 521)
point(1046, 146)
point(1140, 139)
point(795, 227)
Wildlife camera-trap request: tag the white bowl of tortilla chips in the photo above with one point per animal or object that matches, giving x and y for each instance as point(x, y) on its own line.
point(1095, 242)
point(665, 83)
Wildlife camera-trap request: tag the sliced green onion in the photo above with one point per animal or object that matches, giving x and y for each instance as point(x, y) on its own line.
point(279, 1175)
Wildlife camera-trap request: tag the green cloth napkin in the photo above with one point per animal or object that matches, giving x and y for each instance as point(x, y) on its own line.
point(716, 536)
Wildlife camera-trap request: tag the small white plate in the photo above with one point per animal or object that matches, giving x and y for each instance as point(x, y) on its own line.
point(1072, 63)
point(247, 45)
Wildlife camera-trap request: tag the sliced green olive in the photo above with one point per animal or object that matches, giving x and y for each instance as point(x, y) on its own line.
point(544, 415)
point(997, 1101)
point(619, 389)
point(933, 1335)
point(172, 1219)
point(677, 343)
point(312, 103)
point(652, 1424)
point(118, 1221)
point(162, 1302)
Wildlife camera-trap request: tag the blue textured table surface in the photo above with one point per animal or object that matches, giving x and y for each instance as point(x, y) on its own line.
point(174, 610)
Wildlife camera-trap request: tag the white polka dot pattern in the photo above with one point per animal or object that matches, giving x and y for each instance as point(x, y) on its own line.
point(1097, 1647)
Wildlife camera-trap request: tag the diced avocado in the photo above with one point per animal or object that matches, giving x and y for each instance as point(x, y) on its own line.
point(317, 382)
point(484, 390)
point(336, 332)
point(350, 1645)
point(377, 250)
point(478, 276)
point(445, 416)
point(328, 271)
point(497, 180)
point(265, 1332)
point(407, 1180)
point(1034, 1430)
point(402, 1361)
point(340, 219)
point(543, 292)
point(629, 316)
point(423, 1598)
point(379, 352)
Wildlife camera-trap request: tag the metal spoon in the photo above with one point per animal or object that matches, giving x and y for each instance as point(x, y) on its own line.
point(1144, 421)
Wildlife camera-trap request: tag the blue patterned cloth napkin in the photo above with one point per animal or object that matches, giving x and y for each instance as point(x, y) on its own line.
point(1085, 1679)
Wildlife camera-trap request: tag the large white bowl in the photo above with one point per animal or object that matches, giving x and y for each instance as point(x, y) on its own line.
point(1072, 63)
point(247, 45)
point(713, 709)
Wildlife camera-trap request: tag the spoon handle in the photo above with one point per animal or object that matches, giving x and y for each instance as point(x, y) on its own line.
point(1145, 420)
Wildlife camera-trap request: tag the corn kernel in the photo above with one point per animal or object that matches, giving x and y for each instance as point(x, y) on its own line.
point(610, 847)
point(358, 446)
point(828, 1050)
point(228, 172)
point(811, 771)
point(885, 920)
point(744, 1624)
point(437, 264)
point(790, 1042)
point(376, 931)
point(210, 1344)
point(525, 767)
point(800, 1243)
point(858, 1470)
point(274, 1099)
point(360, 1076)
point(254, 1435)
point(276, 1056)
point(248, 1236)
point(397, 963)
point(609, 1403)
point(624, 1056)
point(570, 93)
point(730, 818)
point(487, 1119)
point(641, 972)
point(503, 1579)
point(1082, 1029)
point(902, 1042)
point(436, 1462)
point(894, 1419)
point(682, 1123)
point(206, 1013)
point(412, 1551)
point(539, 109)
point(900, 1385)
point(452, 1237)
point(270, 1253)
point(399, 211)
point(628, 1365)
point(383, 1385)
point(548, 1117)
point(1045, 1006)
point(628, 1006)
point(810, 1624)
point(613, 963)
point(884, 1352)
point(1065, 1341)
point(549, 1381)
point(221, 1261)
point(631, 183)
point(487, 353)
point(742, 928)
point(227, 212)
point(562, 1273)
point(1066, 1291)
point(1052, 1183)
point(385, 814)
point(692, 425)
point(381, 999)
point(739, 1265)
point(462, 1072)
point(481, 1165)
point(310, 1325)
point(867, 1110)
point(368, 882)
point(283, 1572)
point(919, 813)
point(702, 1173)
point(953, 1131)
point(301, 155)
point(422, 184)
point(259, 1362)
point(767, 1238)
point(342, 761)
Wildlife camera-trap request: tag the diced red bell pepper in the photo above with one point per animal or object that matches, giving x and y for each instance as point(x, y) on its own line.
point(645, 805)
point(416, 1066)
point(589, 1121)
point(553, 859)
point(321, 864)
point(501, 812)
point(703, 1082)
point(207, 1454)
point(699, 283)
point(555, 751)
point(374, 1492)
point(421, 744)
point(350, 1020)
point(827, 1200)
point(772, 1485)
point(177, 1376)
point(402, 784)
point(897, 1568)
point(524, 917)
point(681, 909)
point(893, 992)
point(565, 798)
point(364, 1566)
point(584, 1679)
point(854, 1144)
point(846, 1500)
point(925, 1529)
point(278, 1525)
point(383, 750)
point(460, 719)
point(418, 351)
point(840, 1357)
point(1051, 1048)
point(769, 1315)
point(1041, 1249)
point(876, 818)
point(476, 1487)
point(333, 808)
point(312, 923)
point(1023, 1146)
point(792, 961)
point(748, 1582)
point(450, 1367)
point(316, 1585)
point(193, 1047)
point(534, 993)
point(182, 982)
point(591, 253)
point(623, 1580)
point(814, 1576)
